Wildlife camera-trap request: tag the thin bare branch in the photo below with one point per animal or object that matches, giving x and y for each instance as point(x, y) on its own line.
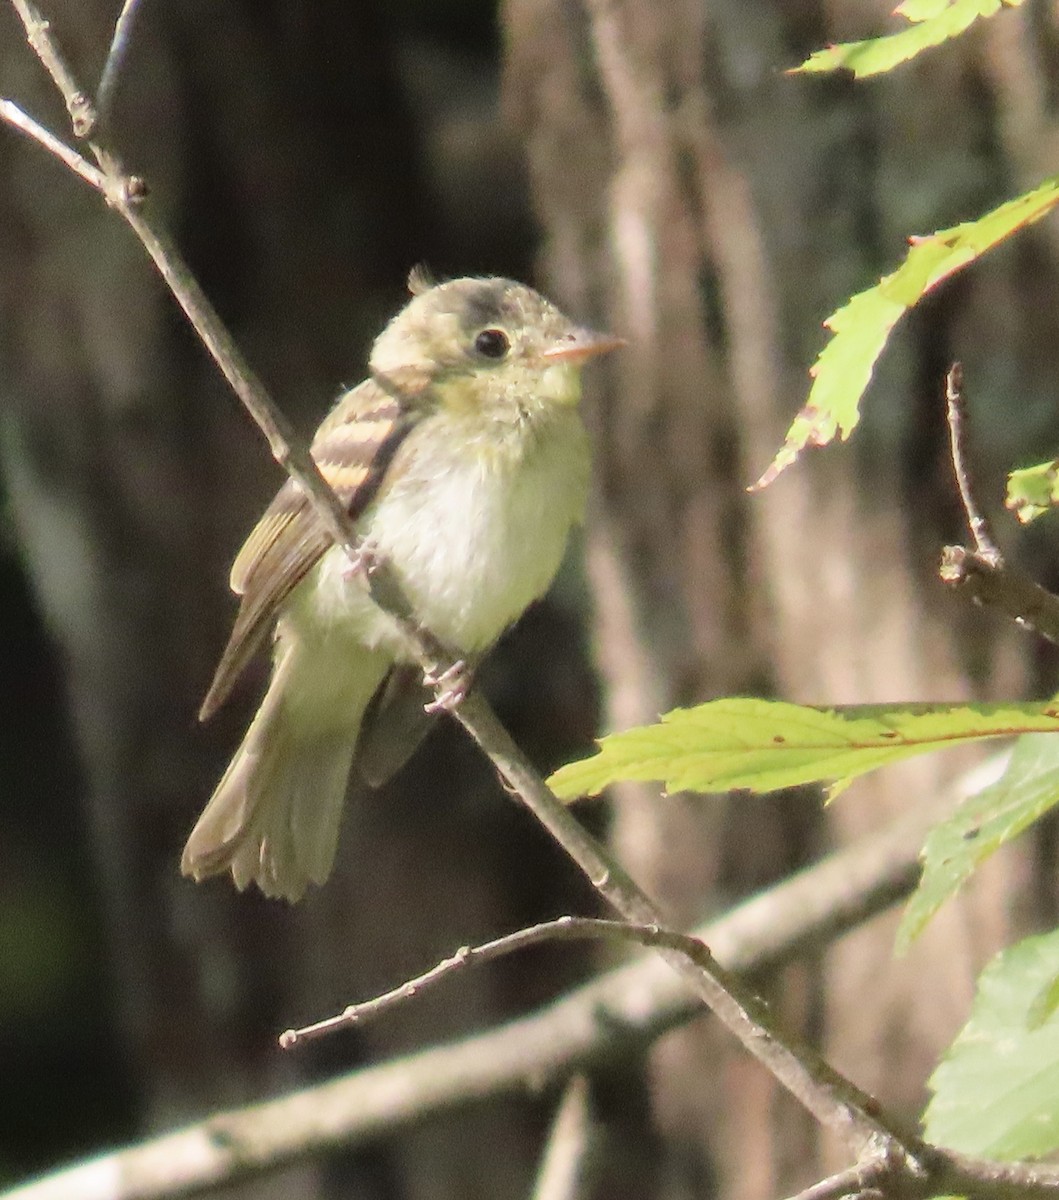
point(854, 1181)
point(38, 34)
point(12, 115)
point(562, 929)
point(956, 408)
point(119, 48)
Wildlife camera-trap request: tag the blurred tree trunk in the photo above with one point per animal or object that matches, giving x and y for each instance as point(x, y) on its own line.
point(715, 211)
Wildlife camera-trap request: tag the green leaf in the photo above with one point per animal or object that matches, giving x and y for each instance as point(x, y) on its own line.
point(922, 10)
point(764, 745)
point(934, 22)
point(1043, 1005)
point(1033, 490)
point(996, 1093)
point(861, 328)
point(982, 824)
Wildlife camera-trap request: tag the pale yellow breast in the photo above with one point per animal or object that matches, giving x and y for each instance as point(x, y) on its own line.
point(475, 532)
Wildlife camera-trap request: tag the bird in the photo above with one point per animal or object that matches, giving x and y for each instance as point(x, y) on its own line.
point(464, 462)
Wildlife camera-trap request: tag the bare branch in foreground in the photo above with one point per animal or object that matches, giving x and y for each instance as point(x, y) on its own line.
point(983, 572)
point(617, 1013)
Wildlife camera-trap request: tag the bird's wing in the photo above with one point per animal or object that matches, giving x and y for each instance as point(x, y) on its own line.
point(394, 724)
point(353, 447)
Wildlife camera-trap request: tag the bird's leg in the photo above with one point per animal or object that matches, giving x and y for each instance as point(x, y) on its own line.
point(450, 686)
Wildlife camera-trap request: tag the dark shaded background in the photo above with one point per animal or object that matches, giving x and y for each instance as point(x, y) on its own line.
point(653, 169)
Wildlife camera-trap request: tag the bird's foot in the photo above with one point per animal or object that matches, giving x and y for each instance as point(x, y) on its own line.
point(450, 686)
point(364, 563)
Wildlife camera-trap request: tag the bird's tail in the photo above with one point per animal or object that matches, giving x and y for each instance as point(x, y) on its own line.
point(274, 817)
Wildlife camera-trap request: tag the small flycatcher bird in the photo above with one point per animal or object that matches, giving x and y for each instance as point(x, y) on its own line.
point(464, 461)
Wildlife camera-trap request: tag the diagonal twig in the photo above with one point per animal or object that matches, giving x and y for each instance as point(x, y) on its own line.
point(38, 34)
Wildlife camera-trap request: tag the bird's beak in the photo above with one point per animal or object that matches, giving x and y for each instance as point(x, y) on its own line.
point(579, 345)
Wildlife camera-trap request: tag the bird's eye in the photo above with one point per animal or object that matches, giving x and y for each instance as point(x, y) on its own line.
point(492, 343)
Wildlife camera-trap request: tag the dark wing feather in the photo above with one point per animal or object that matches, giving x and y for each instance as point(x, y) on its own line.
point(395, 722)
point(353, 447)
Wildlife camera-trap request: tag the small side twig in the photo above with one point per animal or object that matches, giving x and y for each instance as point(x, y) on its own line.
point(562, 929)
point(956, 406)
point(982, 572)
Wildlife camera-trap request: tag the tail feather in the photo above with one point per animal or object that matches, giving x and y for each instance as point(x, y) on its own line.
point(274, 817)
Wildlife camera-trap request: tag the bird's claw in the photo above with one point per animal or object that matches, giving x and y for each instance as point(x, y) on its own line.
point(450, 687)
point(364, 562)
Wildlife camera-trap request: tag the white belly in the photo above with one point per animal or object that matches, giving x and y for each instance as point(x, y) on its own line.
point(474, 539)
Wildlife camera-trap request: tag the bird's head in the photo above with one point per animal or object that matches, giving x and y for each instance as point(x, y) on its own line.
point(484, 344)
